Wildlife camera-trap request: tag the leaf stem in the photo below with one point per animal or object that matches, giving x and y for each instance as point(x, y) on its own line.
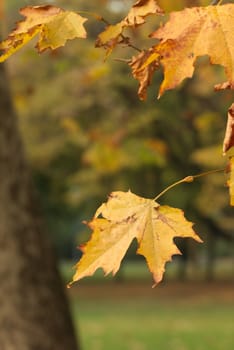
point(188, 179)
point(208, 173)
point(124, 60)
point(134, 47)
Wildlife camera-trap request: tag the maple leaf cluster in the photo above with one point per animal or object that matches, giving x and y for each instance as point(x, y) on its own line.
point(187, 35)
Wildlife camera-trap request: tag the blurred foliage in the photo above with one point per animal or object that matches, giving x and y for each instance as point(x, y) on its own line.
point(86, 133)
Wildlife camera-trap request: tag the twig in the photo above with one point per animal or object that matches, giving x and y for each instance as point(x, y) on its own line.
point(189, 178)
point(124, 60)
point(128, 43)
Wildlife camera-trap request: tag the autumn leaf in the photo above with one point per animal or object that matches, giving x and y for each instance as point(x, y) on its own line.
point(111, 36)
point(191, 33)
point(54, 26)
point(143, 70)
point(229, 134)
point(231, 181)
point(140, 10)
point(122, 218)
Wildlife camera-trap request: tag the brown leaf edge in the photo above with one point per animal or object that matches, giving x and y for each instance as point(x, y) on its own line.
point(229, 133)
point(230, 182)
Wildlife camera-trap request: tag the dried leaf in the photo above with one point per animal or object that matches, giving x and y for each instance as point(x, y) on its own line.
point(54, 26)
point(140, 10)
point(231, 181)
point(189, 34)
point(126, 216)
point(111, 36)
point(143, 70)
point(229, 134)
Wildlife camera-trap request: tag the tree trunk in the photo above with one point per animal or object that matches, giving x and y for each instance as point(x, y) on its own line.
point(33, 312)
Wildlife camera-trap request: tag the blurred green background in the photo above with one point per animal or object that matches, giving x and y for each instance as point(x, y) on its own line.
point(87, 134)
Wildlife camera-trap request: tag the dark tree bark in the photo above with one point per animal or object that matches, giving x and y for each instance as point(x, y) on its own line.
point(33, 308)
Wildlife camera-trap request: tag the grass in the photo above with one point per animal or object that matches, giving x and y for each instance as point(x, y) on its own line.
point(137, 317)
point(133, 316)
point(138, 270)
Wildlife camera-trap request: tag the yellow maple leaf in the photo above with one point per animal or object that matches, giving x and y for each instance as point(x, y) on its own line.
point(136, 16)
point(126, 216)
point(191, 33)
point(231, 181)
point(54, 26)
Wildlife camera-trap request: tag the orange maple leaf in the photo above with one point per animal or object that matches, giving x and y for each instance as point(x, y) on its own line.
point(126, 216)
point(191, 33)
point(54, 26)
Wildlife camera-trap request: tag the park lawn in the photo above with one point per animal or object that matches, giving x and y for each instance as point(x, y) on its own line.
point(138, 270)
point(171, 316)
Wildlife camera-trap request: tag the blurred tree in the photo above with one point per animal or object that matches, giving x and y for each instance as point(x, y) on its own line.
point(34, 312)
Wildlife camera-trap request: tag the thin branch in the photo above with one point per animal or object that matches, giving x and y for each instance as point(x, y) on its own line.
point(187, 179)
point(208, 173)
point(124, 60)
point(128, 43)
point(215, 2)
point(134, 47)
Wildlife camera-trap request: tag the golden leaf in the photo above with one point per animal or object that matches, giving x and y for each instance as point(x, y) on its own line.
point(54, 26)
point(122, 218)
point(191, 33)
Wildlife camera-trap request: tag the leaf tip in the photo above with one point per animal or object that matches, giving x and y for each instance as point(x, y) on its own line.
point(157, 279)
point(161, 91)
point(81, 247)
point(70, 284)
